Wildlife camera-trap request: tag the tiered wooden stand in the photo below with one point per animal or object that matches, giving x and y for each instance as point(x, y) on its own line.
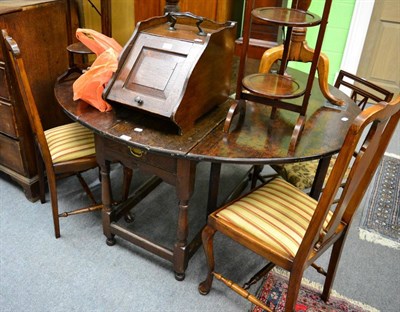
point(274, 89)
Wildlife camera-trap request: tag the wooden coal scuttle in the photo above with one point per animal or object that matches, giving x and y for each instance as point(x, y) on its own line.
point(176, 67)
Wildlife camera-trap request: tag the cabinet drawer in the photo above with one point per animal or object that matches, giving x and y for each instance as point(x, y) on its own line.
point(4, 92)
point(10, 154)
point(7, 120)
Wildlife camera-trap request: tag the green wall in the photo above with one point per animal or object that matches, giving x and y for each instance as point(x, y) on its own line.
point(335, 35)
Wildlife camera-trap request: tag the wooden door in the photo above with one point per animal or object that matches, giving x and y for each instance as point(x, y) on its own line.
point(380, 60)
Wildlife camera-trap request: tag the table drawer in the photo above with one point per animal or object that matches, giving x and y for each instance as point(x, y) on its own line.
point(153, 160)
point(11, 155)
point(131, 156)
point(7, 119)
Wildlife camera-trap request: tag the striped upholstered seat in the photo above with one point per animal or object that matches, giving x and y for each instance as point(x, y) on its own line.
point(289, 229)
point(277, 213)
point(69, 142)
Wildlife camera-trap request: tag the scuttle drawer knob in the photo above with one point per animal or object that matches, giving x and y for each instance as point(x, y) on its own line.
point(139, 100)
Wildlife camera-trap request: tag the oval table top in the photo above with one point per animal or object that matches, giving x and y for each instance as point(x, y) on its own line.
point(258, 140)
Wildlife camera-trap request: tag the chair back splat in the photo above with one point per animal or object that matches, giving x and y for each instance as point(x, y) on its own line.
point(381, 119)
point(289, 228)
point(362, 92)
point(25, 93)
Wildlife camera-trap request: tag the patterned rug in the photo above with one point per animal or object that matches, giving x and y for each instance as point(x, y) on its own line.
point(273, 294)
point(380, 220)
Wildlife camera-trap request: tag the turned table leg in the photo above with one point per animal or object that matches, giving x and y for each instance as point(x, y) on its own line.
point(186, 171)
point(106, 195)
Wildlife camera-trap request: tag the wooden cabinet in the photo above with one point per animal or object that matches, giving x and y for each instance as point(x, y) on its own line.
point(264, 31)
point(39, 27)
point(263, 36)
point(217, 10)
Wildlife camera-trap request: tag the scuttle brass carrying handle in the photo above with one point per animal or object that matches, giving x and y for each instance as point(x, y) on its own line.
point(173, 15)
point(137, 152)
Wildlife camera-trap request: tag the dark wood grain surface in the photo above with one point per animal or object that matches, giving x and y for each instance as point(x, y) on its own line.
point(152, 144)
point(259, 140)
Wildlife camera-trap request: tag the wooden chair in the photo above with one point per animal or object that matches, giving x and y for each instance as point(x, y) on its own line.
point(362, 92)
point(288, 227)
point(65, 150)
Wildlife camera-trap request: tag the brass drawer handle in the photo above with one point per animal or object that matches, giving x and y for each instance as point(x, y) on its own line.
point(137, 152)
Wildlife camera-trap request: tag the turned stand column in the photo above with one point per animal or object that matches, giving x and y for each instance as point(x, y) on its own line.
point(106, 17)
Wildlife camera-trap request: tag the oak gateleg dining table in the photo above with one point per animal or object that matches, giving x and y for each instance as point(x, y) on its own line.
point(153, 145)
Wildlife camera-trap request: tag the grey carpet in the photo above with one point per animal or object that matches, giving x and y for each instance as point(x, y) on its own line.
point(79, 272)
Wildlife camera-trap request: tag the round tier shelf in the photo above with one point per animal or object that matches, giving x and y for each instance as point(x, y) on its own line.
point(79, 48)
point(286, 16)
point(273, 86)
